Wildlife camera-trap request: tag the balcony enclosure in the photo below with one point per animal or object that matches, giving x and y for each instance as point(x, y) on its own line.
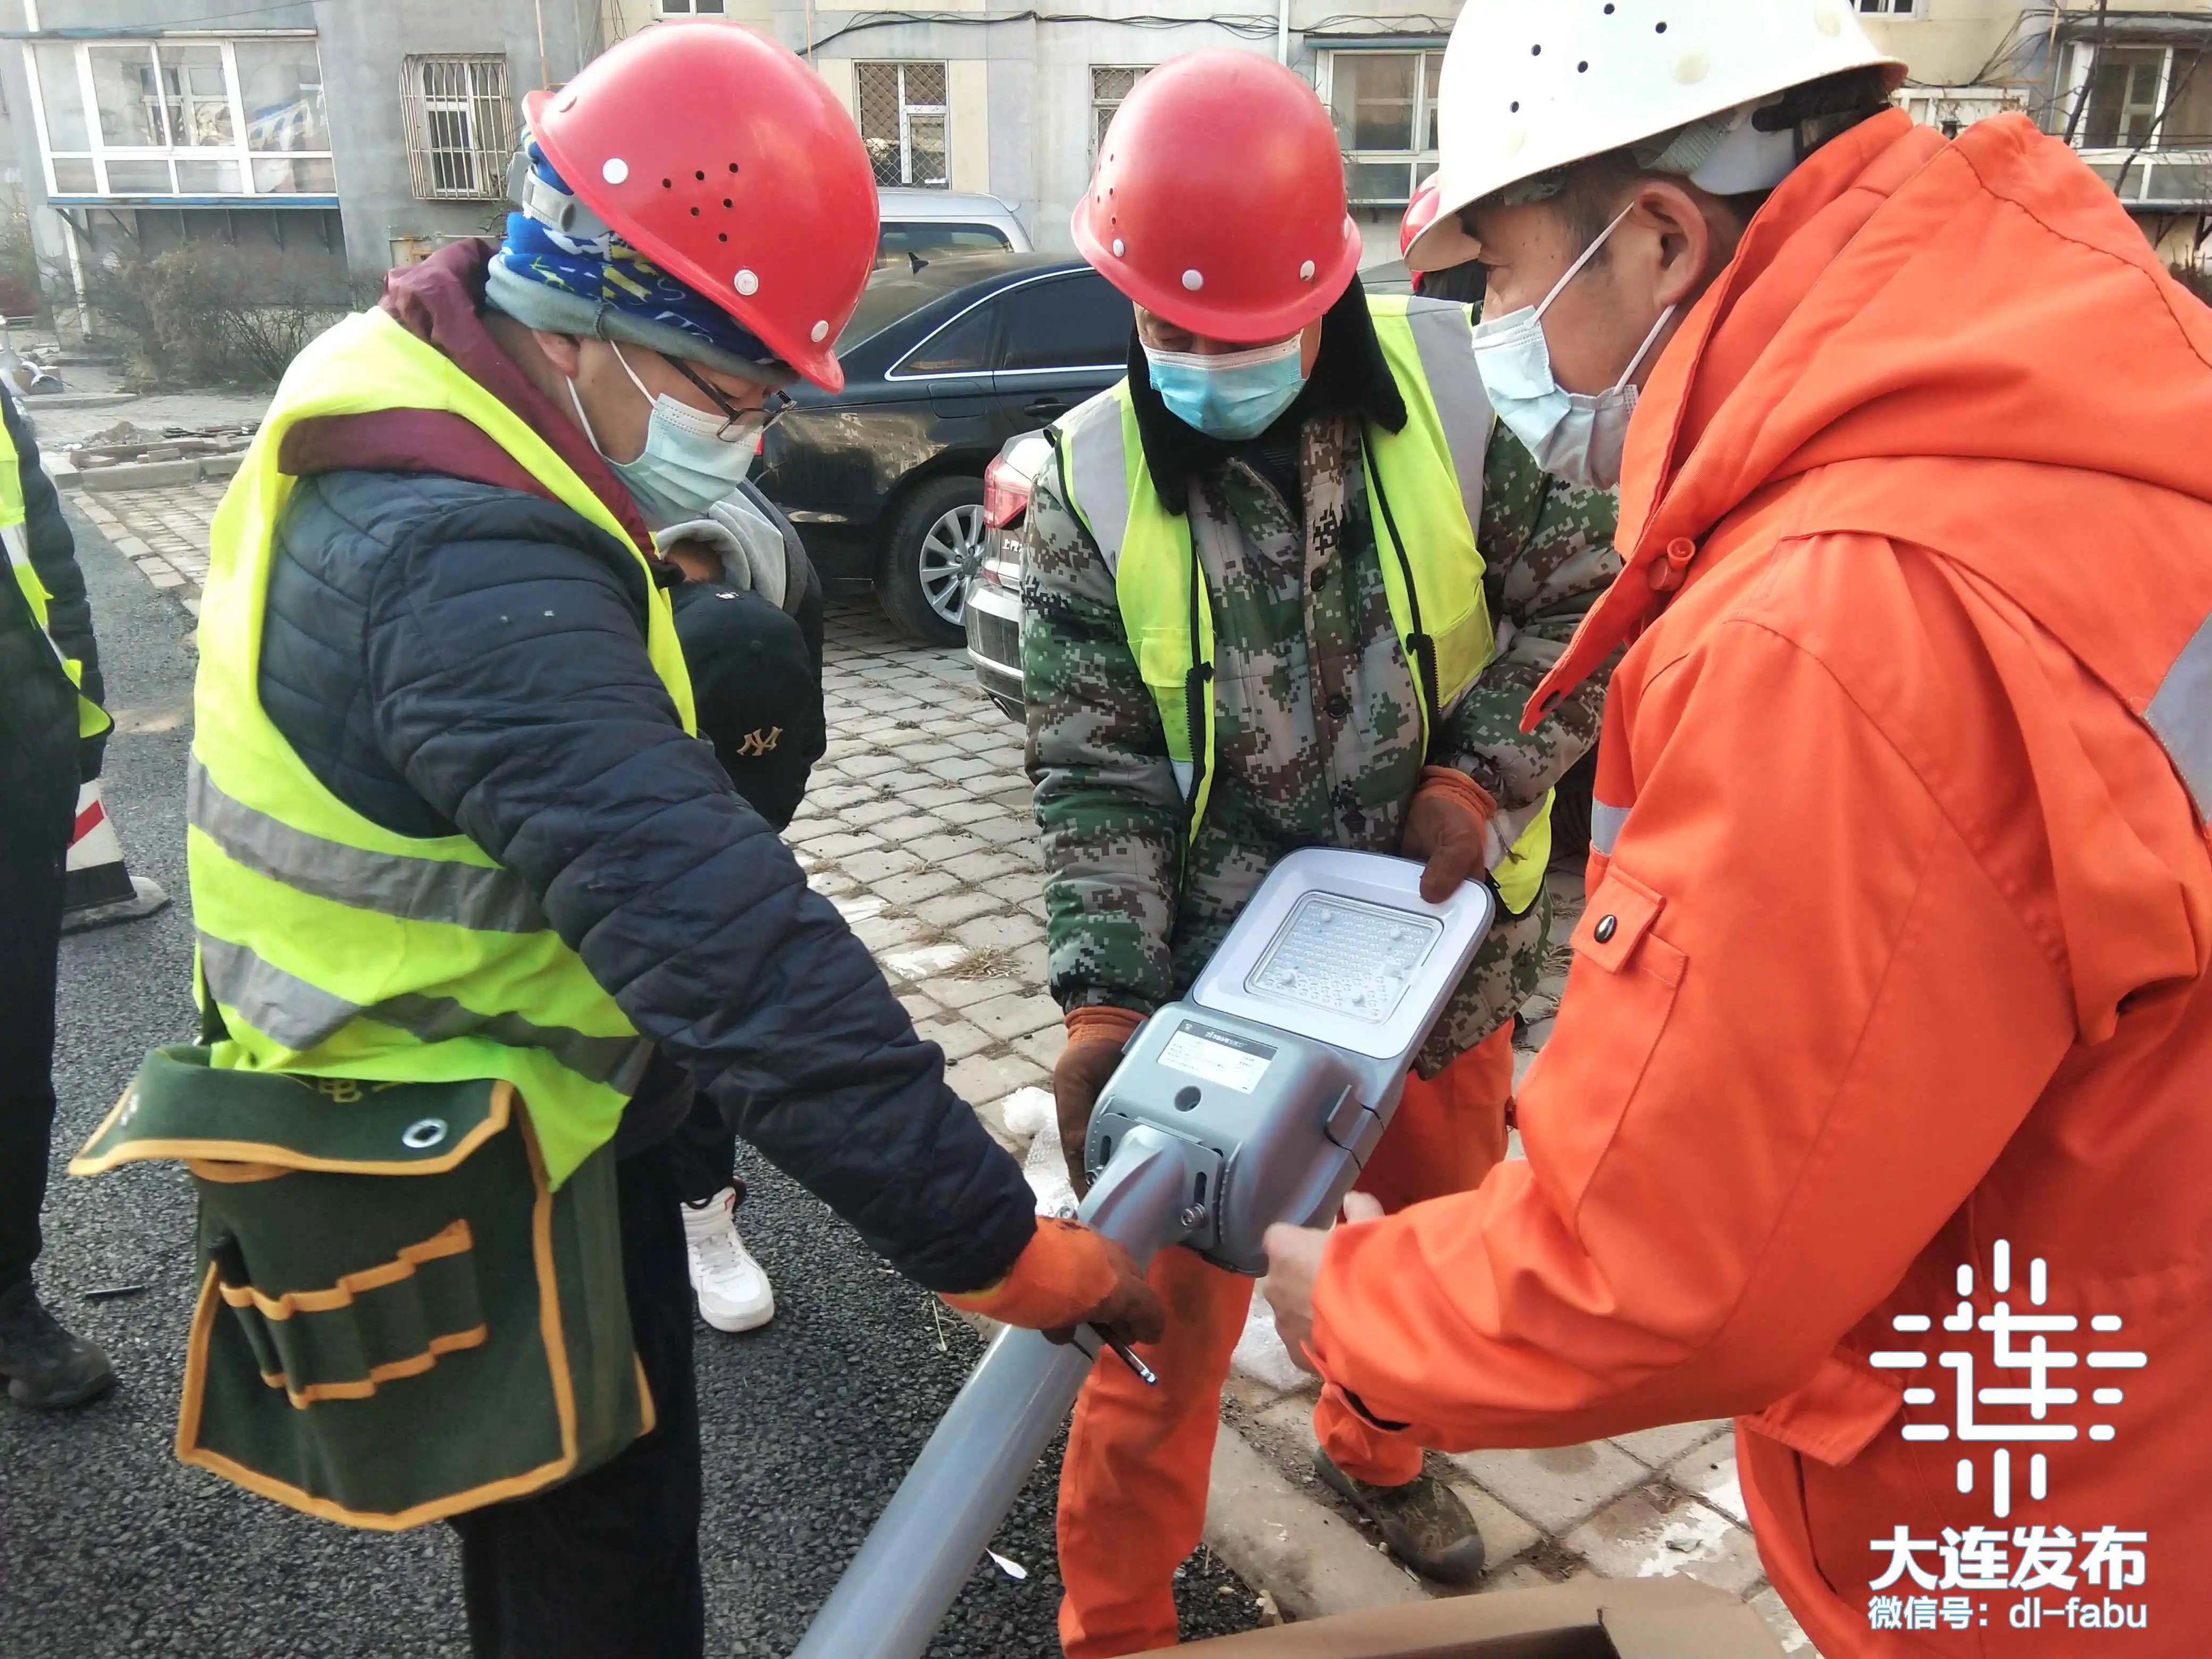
point(180, 119)
point(2141, 110)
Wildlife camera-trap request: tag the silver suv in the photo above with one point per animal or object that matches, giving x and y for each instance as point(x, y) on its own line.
point(934, 224)
point(993, 614)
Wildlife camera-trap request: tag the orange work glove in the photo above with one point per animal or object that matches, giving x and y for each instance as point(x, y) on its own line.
point(1095, 1037)
point(1446, 826)
point(1068, 1275)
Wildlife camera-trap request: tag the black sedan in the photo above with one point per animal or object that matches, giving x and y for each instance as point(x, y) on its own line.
point(945, 361)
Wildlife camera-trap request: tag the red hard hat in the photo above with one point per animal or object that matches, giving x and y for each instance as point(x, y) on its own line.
point(1219, 200)
point(1420, 214)
point(729, 164)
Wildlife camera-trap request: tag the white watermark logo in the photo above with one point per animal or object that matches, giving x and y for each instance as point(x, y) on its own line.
point(2020, 1562)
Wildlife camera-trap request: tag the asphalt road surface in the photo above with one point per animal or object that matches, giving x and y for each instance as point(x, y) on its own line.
point(109, 1547)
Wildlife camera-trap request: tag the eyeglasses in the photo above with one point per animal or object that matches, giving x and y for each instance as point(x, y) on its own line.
point(738, 424)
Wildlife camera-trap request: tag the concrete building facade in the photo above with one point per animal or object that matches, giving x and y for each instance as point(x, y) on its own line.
point(1024, 94)
point(339, 137)
point(349, 135)
point(2128, 82)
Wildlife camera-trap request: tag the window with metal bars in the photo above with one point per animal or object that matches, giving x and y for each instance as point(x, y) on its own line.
point(901, 114)
point(1109, 85)
point(461, 130)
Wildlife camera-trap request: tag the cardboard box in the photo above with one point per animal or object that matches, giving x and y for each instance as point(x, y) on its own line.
point(1588, 1618)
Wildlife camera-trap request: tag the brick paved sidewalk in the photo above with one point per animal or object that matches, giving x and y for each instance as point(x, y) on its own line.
point(917, 827)
point(163, 531)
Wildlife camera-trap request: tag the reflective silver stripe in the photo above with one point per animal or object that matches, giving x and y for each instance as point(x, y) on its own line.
point(1186, 774)
point(1098, 473)
point(285, 1006)
point(391, 885)
point(1444, 334)
point(299, 1016)
point(2181, 715)
point(1605, 826)
point(618, 1061)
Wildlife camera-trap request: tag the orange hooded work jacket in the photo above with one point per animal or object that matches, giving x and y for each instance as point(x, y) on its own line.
point(1898, 926)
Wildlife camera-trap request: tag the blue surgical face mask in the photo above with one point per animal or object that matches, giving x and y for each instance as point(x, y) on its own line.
point(1574, 436)
point(689, 461)
point(1234, 396)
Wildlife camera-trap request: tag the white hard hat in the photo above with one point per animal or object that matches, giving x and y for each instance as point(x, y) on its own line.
point(1529, 88)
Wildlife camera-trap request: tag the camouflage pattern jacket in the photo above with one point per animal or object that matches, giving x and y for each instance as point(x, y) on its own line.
point(1318, 725)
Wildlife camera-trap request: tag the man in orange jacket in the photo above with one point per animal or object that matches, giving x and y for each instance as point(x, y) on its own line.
point(1891, 999)
point(1270, 407)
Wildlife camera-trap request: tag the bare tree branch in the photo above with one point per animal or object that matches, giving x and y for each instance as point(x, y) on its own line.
point(2096, 52)
point(2158, 123)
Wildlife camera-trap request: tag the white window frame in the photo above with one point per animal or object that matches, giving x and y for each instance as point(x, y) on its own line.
point(237, 153)
point(691, 8)
point(1892, 11)
point(908, 110)
point(2153, 152)
point(1932, 107)
point(2081, 64)
point(1419, 162)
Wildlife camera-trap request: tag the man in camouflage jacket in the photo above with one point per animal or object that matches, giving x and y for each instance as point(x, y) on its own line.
point(1319, 743)
point(1318, 722)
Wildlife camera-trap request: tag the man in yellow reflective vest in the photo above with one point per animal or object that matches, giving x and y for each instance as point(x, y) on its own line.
point(1287, 586)
point(449, 819)
point(52, 730)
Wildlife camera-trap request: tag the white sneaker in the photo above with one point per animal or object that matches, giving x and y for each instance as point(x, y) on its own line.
point(734, 1292)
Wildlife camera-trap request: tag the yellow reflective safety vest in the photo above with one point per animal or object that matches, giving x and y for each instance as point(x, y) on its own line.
point(1425, 493)
point(331, 946)
point(91, 718)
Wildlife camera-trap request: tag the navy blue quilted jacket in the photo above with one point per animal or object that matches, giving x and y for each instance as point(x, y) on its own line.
point(448, 653)
point(52, 552)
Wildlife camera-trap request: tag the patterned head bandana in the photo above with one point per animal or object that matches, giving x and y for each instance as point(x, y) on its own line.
point(563, 269)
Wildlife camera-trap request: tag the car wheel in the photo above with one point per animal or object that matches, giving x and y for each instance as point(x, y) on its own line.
point(935, 545)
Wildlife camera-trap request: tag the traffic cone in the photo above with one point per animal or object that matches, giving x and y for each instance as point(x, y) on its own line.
point(98, 889)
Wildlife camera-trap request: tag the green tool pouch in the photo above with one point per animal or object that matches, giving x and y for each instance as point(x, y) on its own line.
point(398, 1320)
